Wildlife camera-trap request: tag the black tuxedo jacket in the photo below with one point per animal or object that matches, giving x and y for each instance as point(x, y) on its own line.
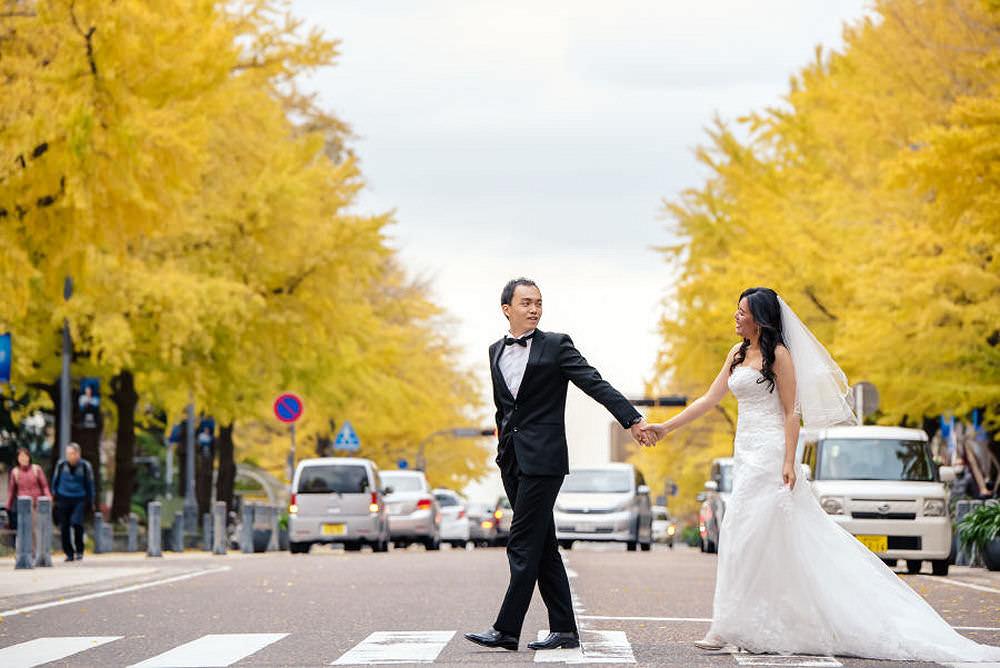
point(534, 424)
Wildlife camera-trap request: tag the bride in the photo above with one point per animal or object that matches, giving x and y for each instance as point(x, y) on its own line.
point(790, 580)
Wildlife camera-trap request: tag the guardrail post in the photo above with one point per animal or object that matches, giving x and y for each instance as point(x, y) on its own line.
point(219, 528)
point(100, 547)
point(154, 532)
point(272, 522)
point(133, 533)
point(25, 528)
point(178, 533)
point(246, 529)
point(43, 548)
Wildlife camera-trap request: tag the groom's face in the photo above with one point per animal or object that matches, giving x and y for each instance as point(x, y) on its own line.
point(524, 310)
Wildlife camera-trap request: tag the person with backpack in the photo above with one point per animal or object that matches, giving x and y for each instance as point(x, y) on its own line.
point(73, 483)
point(26, 479)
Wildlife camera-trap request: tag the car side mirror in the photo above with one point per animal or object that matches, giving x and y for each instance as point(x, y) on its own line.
point(700, 497)
point(711, 486)
point(946, 473)
point(643, 489)
point(387, 490)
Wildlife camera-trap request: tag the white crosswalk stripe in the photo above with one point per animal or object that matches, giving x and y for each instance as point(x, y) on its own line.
point(213, 650)
point(389, 647)
point(596, 647)
point(43, 650)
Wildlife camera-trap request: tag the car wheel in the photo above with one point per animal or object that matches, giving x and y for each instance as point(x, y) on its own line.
point(939, 567)
point(710, 547)
point(701, 545)
point(381, 546)
point(352, 547)
point(299, 548)
point(432, 544)
point(913, 566)
point(891, 563)
point(566, 544)
point(630, 546)
point(646, 547)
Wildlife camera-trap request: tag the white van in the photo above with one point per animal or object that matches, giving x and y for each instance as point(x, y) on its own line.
point(337, 500)
point(881, 484)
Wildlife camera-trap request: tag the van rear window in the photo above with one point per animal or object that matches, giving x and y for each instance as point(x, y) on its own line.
point(334, 478)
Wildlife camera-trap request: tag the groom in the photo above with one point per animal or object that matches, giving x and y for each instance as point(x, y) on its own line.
point(530, 371)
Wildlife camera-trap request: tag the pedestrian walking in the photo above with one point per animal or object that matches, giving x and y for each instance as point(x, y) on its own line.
point(73, 483)
point(26, 479)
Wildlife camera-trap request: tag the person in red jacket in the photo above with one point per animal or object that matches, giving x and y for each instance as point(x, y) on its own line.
point(26, 479)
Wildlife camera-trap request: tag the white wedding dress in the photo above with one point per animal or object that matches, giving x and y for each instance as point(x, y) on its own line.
point(792, 581)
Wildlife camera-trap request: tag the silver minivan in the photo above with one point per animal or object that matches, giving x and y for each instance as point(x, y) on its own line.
point(337, 500)
point(606, 503)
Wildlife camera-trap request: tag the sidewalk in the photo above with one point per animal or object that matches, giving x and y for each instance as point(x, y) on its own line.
point(97, 572)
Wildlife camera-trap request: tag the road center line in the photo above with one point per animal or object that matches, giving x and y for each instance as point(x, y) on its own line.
point(959, 583)
point(110, 592)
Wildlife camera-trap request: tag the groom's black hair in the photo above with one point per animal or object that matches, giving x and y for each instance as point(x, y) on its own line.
point(507, 295)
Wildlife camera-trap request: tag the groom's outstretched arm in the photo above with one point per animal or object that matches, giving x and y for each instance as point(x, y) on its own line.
point(576, 369)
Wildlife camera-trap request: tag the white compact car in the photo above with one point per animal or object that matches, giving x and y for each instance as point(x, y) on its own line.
point(454, 519)
point(881, 484)
point(606, 503)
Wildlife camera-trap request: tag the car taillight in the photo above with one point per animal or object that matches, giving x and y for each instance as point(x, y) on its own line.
point(373, 506)
point(487, 524)
point(671, 530)
point(292, 508)
point(498, 514)
point(424, 504)
point(461, 514)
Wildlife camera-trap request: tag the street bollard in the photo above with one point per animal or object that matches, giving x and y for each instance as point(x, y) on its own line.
point(219, 528)
point(43, 550)
point(206, 532)
point(153, 530)
point(246, 529)
point(25, 526)
point(133, 533)
point(272, 522)
point(99, 546)
point(178, 533)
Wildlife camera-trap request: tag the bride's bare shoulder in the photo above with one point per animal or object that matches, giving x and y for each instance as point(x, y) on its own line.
point(781, 354)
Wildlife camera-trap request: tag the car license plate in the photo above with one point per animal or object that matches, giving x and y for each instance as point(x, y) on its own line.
point(875, 543)
point(333, 529)
point(583, 527)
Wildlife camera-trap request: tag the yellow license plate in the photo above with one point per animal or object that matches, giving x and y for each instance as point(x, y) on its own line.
point(875, 543)
point(333, 529)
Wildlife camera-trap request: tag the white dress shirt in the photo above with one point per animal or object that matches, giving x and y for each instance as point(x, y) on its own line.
point(513, 362)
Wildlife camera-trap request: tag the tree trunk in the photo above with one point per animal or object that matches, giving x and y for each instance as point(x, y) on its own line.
point(227, 466)
point(125, 398)
point(203, 480)
point(89, 441)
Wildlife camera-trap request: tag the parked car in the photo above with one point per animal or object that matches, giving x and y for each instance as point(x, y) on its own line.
point(337, 500)
point(482, 524)
point(664, 527)
point(607, 503)
point(454, 520)
point(503, 514)
point(414, 515)
point(882, 485)
point(713, 502)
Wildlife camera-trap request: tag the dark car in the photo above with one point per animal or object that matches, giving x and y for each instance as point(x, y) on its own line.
point(713, 502)
point(482, 524)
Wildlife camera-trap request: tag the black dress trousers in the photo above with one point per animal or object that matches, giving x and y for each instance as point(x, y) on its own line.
point(532, 549)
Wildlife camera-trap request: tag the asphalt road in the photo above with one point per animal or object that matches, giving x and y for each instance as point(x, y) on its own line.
point(404, 607)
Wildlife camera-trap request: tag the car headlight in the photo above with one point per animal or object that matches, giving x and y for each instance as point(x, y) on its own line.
point(934, 507)
point(832, 505)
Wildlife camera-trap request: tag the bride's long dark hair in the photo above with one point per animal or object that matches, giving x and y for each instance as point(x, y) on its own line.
point(766, 312)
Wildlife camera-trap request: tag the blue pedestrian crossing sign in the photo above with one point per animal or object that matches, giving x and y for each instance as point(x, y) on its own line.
point(347, 439)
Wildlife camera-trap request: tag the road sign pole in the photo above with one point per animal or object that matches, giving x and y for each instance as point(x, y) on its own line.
point(291, 467)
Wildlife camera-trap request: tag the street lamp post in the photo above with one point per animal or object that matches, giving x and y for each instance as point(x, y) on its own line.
point(460, 432)
point(65, 400)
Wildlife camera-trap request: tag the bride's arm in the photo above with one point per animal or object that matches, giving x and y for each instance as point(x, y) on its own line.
point(784, 379)
point(701, 405)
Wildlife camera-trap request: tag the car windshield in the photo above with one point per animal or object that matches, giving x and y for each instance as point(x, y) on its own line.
point(661, 515)
point(333, 478)
point(874, 459)
point(446, 500)
point(504, 503)
point(403, 483)
point(726, 478)
point(598, 481)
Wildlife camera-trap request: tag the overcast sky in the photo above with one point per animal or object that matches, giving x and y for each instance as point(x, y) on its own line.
point(540, 138)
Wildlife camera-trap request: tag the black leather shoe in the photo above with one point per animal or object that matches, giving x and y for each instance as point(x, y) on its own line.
point(557, 641)
point(493, 638)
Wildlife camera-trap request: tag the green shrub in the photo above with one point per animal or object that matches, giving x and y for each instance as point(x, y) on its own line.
point(980, 526)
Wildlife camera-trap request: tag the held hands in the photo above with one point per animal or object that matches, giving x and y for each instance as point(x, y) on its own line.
point(646, 434)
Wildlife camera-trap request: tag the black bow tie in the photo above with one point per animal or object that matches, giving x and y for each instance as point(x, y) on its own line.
point(523, 341)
